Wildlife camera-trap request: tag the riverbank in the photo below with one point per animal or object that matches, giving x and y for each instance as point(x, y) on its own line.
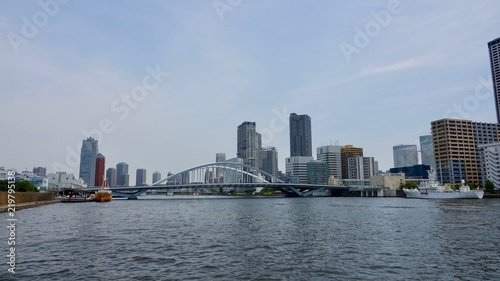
point(21, 206)
point(24, 200)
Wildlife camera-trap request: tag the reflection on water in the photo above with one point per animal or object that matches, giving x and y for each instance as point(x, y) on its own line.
point(205, 237)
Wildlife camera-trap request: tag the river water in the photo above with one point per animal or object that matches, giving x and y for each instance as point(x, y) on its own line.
point(207, 238)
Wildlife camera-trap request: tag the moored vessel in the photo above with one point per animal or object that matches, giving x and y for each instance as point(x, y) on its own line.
point(433, 190)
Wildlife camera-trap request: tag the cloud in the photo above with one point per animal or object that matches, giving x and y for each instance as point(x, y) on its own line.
point(422, 60)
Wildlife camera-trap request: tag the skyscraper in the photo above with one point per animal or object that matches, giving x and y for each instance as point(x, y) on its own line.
point(427, 151)
point(111, 177)
point(494, 48)
point(300, 135)
point(156, 177)
point(248, 143)
point(220, 157)
point(140, 177)
point(41, 171)
point(88, 156)
point(330, 154)
point(405, 155)
point(347, 152)
point(268, 160)
point(100, 163)
point(122, 174)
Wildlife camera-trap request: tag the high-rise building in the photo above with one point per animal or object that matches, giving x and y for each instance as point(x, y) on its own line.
point(41, 171)
point(249, 142)
point(317, 172)
point(140, 177)
point(122, 174)
point(405, 155)
point(361, 168)
point(427, 151)
point(220, 157)
point(296, 166)
point(100, 166)
point(268, 160)
point(456, 148)
point(330, 154)
point(88, 156)
point(494, 48)
point(300, 135)
point(156, 176)
point(111, 177)
point(347, 152)
point(490, 156)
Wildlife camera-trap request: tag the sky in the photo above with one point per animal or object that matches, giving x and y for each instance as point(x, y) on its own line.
point(163, 85)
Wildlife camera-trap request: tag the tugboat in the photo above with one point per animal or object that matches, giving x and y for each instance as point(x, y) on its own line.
point(104, 194)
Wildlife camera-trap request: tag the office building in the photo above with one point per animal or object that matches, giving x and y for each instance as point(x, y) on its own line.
point(317, 172)
point(361, 168)
point(122, 174)
point(111, 177)
point(140, 177)
point(248, 143)
point(296, 167)
point(330, 154)
point(456, 149)
point(405, 155)
point(490, 156)
point(88, 156)
point(300, 135)
point(64, 180)
point(220, 157)
point(41, 171)
point(413, 172)
point(268, 160)
point(156, 177)
point(100, 166)
point(494, 49)
point(427, 151)
point(347, 152)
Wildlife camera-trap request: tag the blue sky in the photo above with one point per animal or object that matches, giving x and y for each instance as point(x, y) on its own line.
point(232, 61)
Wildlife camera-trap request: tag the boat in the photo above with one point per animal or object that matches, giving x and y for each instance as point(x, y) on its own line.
point(433, 190)
point(104, 194)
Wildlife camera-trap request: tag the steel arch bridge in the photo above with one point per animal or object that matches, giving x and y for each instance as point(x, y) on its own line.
point(221, 175)
point(219, 172)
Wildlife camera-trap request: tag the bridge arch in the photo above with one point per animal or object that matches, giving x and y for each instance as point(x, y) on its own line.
point(219, 172)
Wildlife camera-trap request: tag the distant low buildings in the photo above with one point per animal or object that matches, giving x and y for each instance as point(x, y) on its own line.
point(64, 180)
point(413, 172)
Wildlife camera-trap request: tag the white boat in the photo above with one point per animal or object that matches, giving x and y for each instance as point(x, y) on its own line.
point(433, 190)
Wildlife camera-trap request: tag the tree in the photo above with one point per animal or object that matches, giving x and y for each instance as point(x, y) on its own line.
point(410, 185)
point(489, 185)
point(21, 186)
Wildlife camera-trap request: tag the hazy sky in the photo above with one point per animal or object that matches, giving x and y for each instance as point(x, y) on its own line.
point(166, 83)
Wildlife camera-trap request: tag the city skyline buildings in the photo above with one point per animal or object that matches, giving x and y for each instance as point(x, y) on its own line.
point(405, 155)
point(303, 90)
point(494, 50)
point(88, 156)
point(300, 135)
